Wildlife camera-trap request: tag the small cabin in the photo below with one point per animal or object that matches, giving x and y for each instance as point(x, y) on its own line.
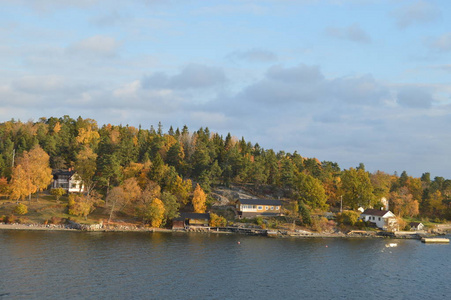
point(417, 226)
point(188, 220)
point(250, 208)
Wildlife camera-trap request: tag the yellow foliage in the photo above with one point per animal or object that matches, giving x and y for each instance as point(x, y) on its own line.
point(87, 136)
point(57, 127)
point(157, 207)
point(217, 221)
point(21, 209)
point(199, 200)
point(31, 174)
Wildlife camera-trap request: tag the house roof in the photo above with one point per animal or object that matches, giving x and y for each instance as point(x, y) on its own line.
point(63, 172)
point(375, 212)
point(191, 215)
point(260, 202)
point(414, 224)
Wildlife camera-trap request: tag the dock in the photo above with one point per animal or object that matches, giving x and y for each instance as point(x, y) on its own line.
point(435, 240)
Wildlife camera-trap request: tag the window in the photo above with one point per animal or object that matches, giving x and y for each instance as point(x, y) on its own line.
point(277, 208)
point(260, 207)
point(266, 207)
point(272, 207)
point(379, 218)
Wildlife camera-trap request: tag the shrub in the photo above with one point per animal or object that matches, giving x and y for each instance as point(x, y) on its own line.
point(10, 219)
point(217, 221)
point(55, 220)
point(21, 209)
point(348, 218)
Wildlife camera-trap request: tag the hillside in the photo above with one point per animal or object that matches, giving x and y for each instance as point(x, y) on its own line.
point(142, 175)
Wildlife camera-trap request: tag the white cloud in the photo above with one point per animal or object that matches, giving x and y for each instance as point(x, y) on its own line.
point(442, 43)
point(416, 13)
point(98, 46)
point(193, 76)
point(254, 55)
point(352, 33)
point(415, 97)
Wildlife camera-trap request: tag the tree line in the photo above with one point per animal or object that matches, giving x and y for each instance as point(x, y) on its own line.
point(151, 174)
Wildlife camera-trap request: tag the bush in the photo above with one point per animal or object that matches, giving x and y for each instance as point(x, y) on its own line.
point(21, 209)
point(348, 218)
point(10, 219)
point(55, 220)
point(217, 221)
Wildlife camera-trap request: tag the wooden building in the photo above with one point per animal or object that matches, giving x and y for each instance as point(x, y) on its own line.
point(249, 208)
point(189, 220)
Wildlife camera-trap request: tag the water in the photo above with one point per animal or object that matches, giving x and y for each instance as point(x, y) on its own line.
point(81, 265)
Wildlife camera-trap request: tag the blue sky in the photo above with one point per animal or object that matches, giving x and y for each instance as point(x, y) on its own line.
point(345, 81)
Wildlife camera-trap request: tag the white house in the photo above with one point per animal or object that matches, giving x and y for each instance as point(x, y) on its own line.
point(68, 180)
point(416, 226)
point(383, 219)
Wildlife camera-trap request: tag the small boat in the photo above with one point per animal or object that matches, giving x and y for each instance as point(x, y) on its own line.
point(391, 245)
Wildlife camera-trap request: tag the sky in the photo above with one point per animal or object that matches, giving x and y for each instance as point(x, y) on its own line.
point(347, 81)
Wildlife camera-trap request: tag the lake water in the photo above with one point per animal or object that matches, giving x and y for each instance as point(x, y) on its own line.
point(84, 265)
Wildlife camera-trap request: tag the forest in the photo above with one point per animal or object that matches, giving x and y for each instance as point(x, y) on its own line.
point(151, 174)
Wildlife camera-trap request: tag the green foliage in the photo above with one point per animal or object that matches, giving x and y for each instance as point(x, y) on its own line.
point(58, 192)
point(312, 192)
point(106, 157)
point(348, 218)
point(21, 209)
point(304, 213)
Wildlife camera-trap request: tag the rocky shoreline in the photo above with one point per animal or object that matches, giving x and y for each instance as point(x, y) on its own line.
point(76, 227)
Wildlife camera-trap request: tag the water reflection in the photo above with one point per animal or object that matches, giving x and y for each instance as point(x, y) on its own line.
point(175, 266)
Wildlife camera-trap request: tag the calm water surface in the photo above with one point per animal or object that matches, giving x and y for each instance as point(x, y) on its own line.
point(81, 265)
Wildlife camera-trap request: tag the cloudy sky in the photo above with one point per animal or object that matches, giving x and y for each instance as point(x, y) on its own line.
point(347, 81)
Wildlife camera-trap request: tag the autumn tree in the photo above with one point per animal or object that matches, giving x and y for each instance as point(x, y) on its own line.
point(85, 167)
point(31, 174)
point(58, 192)
point(356, 188)
point(152, 212)
point(114, 199)
point(217, 221)
point(81, 205)
point(199, 200)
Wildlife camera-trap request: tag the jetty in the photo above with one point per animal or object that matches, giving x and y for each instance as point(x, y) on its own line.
point(435, 240)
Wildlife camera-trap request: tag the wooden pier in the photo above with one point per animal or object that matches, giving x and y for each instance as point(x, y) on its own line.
point(435, 240)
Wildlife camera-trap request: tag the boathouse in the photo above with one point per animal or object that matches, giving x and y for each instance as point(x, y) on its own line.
point(189, 220)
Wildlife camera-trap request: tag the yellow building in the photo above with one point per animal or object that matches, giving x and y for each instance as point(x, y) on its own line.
point(249, 208)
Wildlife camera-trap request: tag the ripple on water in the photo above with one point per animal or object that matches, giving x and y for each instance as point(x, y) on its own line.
point(78, 265)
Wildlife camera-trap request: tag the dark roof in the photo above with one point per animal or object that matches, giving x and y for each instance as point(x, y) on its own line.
point(63, 172)
point(375, 212)
point(414, 224)
point(191, 215)
point(260, 202)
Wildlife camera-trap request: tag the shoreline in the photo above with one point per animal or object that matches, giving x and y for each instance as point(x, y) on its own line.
point(51, 227)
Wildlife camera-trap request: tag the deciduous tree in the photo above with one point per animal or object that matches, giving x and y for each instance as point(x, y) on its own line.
point(199, 200)
point(31, 174)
